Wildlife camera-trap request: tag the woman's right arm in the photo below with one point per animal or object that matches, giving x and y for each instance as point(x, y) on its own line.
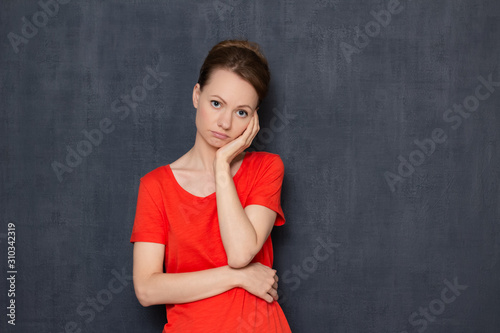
point(152, 286)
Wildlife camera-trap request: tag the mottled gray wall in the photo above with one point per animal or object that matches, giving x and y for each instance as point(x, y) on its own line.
point(381, 111)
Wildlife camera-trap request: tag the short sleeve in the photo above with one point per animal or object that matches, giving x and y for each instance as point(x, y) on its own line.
point(267, 188)
point(150, 220)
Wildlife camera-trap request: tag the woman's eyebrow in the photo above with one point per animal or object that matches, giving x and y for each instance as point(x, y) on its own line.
point(239, 106)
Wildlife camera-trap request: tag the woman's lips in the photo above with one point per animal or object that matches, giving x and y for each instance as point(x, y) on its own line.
point(219, 135)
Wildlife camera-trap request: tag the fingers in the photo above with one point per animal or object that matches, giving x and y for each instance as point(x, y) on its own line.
point(273, 292)
point(272, 296)
point(267, 280)
point(256, 127)
point(275, 287)
point(275, 295)
point(253, 129)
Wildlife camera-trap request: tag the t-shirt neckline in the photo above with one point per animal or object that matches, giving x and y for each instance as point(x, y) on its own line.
point(238, 172)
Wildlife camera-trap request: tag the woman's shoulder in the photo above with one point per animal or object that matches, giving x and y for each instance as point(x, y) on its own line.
point(156, 175)
point(265, 159)
point(264, 155)
point(160, 170)
point(161, 174)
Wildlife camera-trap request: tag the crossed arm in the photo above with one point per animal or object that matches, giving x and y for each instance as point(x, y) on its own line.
point(243, 233)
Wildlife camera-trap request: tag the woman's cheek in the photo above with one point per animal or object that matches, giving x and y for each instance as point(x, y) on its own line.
point(202, 116)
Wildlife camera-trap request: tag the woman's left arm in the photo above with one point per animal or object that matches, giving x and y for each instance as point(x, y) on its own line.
point(243, 231)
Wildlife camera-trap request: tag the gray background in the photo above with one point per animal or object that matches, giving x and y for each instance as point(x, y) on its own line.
point(347, 119)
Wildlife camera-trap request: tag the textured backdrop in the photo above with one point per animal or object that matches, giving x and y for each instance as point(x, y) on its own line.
point(385, 114)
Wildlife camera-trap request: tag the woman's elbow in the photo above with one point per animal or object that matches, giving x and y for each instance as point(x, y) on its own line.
point(143, 296)
point(239, 261)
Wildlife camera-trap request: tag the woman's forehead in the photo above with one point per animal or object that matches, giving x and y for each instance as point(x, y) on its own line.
point(231, 86)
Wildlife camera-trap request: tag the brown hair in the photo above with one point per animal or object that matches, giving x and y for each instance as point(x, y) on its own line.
point(243, 58)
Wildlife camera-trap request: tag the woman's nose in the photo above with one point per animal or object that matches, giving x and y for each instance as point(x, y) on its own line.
point(224, 120)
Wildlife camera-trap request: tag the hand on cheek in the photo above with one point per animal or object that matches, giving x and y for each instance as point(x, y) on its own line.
point(233, 148)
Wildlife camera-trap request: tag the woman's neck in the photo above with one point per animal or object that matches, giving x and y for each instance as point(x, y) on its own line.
point(201, 156)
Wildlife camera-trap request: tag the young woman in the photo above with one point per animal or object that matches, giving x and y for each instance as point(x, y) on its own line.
point(208, 216)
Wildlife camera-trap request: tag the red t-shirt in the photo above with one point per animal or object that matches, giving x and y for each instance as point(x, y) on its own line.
point(188, 225)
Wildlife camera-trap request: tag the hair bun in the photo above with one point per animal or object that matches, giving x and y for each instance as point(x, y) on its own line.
point(242, 57)
point(241, 43)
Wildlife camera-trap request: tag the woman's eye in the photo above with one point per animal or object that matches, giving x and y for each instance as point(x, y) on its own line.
point(215, 104)
point(242, 113)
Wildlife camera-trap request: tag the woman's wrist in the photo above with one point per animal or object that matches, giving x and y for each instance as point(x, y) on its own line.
point(237, 277)
point(221, 166)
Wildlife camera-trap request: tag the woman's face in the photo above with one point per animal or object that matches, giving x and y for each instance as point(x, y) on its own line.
point(224, 107)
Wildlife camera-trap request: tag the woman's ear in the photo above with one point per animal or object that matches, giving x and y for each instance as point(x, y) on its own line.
point(196, 95)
